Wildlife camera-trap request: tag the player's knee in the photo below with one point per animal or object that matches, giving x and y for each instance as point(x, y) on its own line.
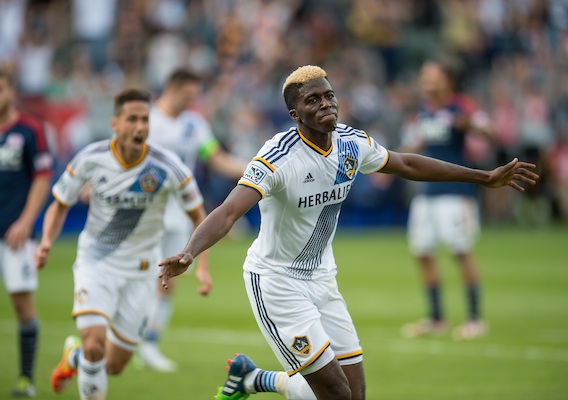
point(93, 350)
point(338, 391)
point(114, 367)
point(341, 391)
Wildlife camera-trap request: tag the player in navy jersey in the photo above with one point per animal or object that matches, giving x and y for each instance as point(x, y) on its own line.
point(300, 179)
point(445, 212)
point(25, 173)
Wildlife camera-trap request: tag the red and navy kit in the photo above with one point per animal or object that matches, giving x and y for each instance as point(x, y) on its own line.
point(442, 139)
point(24, 155)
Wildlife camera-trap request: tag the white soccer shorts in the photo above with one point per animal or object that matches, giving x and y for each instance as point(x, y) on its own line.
point(17, 267)
point(306, 323)
point(123, 301)
point(449, 219)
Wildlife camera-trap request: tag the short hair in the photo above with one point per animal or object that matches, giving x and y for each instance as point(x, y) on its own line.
point(181, 76)
point(8, 76)
point(128, 95)
point(451, 68)
point(294, 81)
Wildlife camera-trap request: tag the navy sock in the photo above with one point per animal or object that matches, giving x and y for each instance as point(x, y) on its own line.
point(472, 294)
point(433, 293)
point(28, 343)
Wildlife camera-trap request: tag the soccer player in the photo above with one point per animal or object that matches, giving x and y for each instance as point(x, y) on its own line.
point(300, 179)
point(445, 212)
point(25, 173)
point(130, 183)
point(189, 135)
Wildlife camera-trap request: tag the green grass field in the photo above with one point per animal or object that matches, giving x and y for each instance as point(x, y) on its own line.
point(524, 357)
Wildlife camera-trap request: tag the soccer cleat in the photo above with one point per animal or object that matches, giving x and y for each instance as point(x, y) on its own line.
point(424, 327)
point(470, 330)
point(150, 356)
point(234, 388)
point(24, 388)
point(63, 373)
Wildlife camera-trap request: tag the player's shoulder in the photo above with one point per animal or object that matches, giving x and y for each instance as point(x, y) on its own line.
point(465, 103)
point(194, 116)
point(160, 152)
point(348, 133)
point(30, 122)
point(280, 148)
point(95, 149)
point(165, 157)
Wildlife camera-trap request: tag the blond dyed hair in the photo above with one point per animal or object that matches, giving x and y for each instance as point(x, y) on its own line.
point(304, 74)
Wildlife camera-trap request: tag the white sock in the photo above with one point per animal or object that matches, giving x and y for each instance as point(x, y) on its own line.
point(160, 314)
point(73, 357)
point(293, 388)
point(92, 379)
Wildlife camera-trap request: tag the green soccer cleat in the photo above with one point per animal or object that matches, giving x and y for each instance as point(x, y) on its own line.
point(24, 388)
point(234, 389)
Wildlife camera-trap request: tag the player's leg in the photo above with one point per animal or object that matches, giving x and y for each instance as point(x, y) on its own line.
point(161, 310)
point(423, 233)
point(297, 338)
point(345, 343)
point(459, 230)
point(96, 299)
point(245, 378)
point(20, 278)
point(92, 374)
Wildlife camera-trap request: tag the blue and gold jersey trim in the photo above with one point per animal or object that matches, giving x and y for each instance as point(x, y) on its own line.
point(324, 153)
point(265, 162)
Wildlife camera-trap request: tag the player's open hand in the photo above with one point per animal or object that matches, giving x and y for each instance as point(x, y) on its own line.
point(511, 174)
point(205, 281)
point(174, 266)
point(41, 254)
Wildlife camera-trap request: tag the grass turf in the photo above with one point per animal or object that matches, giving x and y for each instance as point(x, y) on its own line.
point(525, 302)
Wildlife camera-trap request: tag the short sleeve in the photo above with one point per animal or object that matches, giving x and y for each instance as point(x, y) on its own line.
point(260, 175)
point(188, 194)
point(375, 156)
point(67, 188)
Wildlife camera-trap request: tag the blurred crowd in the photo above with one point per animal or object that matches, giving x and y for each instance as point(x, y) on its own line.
point(71, 56)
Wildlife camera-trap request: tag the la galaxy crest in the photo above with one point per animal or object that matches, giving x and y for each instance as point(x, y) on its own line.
point(149, 181)
point(302, 345)
point(349, 166)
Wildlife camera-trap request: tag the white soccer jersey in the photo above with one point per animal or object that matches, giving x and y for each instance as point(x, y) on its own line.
point(189, 135)
point(126, 208)
point(302, 189)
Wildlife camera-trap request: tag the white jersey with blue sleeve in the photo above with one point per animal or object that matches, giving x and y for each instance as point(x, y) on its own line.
point(127, 204)
point(302, 189)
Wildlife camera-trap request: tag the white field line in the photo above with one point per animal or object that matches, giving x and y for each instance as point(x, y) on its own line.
point(377, 344)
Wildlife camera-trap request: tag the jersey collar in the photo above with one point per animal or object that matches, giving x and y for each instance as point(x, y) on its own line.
point(324, 153)
point(121, 161)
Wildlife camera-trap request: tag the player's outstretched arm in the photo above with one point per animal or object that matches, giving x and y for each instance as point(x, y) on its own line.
point(52, 224)
point(210, 231)
point(420, 168)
